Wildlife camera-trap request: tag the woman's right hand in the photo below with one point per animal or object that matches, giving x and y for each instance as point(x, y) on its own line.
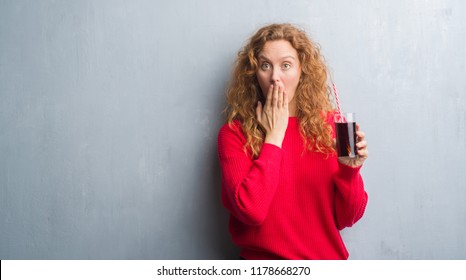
point(273, 116)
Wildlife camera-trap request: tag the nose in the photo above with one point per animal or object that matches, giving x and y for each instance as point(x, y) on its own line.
point(275, 78)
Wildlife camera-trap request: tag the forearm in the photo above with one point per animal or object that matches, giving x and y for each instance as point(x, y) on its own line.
point(350, 196)
point(274, 139)
point(249, 187)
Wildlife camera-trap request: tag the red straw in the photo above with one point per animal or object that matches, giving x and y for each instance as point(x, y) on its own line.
point(336, 98)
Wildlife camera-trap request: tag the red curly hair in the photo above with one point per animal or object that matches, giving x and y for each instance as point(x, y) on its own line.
point(312, 94)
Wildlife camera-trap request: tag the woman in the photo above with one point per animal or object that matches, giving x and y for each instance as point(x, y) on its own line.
point(288, 193)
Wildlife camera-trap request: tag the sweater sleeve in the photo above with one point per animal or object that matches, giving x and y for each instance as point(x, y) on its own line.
point(350, 196)
point(248, 186)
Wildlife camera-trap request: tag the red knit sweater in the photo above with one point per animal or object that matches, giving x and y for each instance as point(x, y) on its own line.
point(288, 203)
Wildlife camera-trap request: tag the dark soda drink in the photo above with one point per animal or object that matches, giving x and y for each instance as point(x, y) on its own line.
point(346, 139)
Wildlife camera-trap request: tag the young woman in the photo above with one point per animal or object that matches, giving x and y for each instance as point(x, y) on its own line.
point(288, 193)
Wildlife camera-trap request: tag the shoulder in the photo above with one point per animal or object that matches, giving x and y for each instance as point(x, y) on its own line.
point(233, 127)
point(231, 140)
point(329, 117)
point(231, 132)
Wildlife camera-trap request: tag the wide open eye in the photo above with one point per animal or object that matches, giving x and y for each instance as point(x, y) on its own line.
point(286, 66)
point(265, 66)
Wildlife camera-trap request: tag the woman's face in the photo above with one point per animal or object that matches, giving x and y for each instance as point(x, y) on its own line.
point(279, 64)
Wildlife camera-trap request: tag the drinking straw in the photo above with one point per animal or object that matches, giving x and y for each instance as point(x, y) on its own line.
point(336, 98)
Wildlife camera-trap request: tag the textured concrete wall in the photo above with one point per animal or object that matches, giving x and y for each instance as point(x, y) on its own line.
point(109, 112)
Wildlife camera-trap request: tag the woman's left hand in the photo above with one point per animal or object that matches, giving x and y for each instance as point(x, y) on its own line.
point(361, 146)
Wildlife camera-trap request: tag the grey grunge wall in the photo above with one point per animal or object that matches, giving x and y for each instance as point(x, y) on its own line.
point(109, 113)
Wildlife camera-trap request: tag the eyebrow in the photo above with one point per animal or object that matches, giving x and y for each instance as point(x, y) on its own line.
point(287, 56)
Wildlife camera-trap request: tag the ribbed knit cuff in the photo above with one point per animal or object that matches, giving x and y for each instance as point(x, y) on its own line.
point(271, 151)
point(347, 172)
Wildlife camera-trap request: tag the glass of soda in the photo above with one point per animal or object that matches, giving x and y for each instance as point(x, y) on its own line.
point(345, 126)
